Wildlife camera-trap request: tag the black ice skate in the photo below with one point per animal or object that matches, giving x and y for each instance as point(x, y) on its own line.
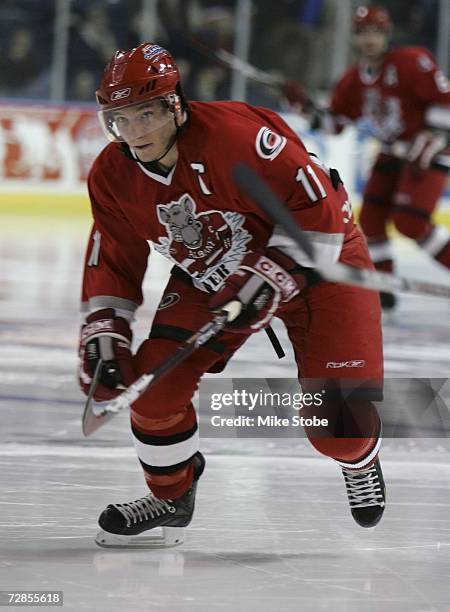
point(122, 524)
point(388, 301)
point(366, 494)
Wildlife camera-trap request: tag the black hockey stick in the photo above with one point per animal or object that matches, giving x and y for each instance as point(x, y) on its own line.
point(254, 186)
point(97, 414)
point(90, 422)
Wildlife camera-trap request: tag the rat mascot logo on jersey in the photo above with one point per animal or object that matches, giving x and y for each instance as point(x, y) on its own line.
point(383, 114)
point(208, 246)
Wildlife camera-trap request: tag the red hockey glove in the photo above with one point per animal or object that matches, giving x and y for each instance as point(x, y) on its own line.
point(254, 292)
point(106, 337)
point(296, 96)
point(297, 100)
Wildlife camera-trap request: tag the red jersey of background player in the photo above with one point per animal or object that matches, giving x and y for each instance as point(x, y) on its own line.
point(398, 100)
point(196, 217)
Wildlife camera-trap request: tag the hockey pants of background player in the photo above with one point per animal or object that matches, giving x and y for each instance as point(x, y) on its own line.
point(335, 333)
point(401, 193)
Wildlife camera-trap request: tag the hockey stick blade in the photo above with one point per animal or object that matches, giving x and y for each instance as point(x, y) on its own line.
point(90, 421)
point(255, 187)
point(97, 414)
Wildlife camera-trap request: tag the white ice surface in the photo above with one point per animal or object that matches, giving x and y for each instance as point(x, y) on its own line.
point(272, 529)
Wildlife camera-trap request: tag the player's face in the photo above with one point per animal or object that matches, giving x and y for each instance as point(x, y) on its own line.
point(147, 128)
point(371, 42)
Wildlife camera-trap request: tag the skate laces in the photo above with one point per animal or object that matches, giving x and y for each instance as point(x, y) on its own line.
point(142, 509)
point(363, 488)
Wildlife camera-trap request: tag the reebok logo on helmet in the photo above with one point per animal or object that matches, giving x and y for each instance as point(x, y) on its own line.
point(121, 93)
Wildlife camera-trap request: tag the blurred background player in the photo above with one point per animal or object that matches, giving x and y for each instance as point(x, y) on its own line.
point(164, 180)
point(404, 99)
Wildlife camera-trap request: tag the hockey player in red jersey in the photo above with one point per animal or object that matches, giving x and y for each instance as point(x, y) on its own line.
point(165, 180)
point(405, 98)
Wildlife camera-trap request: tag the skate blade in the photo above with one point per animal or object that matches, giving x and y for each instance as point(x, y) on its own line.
point(170, 537)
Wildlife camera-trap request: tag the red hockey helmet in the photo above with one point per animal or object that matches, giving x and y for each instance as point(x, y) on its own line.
point(372, 16)
point(134, 77)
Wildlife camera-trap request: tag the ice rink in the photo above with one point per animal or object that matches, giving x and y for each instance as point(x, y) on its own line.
point(272, 529)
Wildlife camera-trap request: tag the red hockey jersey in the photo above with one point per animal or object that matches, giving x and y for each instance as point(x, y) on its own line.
point(397, 100)
point(197, 217)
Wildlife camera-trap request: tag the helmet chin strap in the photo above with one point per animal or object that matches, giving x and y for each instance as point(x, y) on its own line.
point(172, 141)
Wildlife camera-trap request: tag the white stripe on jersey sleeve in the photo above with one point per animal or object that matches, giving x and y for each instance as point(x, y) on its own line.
point(327, 247)
point(123, 308)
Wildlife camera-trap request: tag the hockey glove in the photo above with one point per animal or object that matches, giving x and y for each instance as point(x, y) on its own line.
point(253, 293)
point(106, 337)
point(426, 145)
point(296, 97)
